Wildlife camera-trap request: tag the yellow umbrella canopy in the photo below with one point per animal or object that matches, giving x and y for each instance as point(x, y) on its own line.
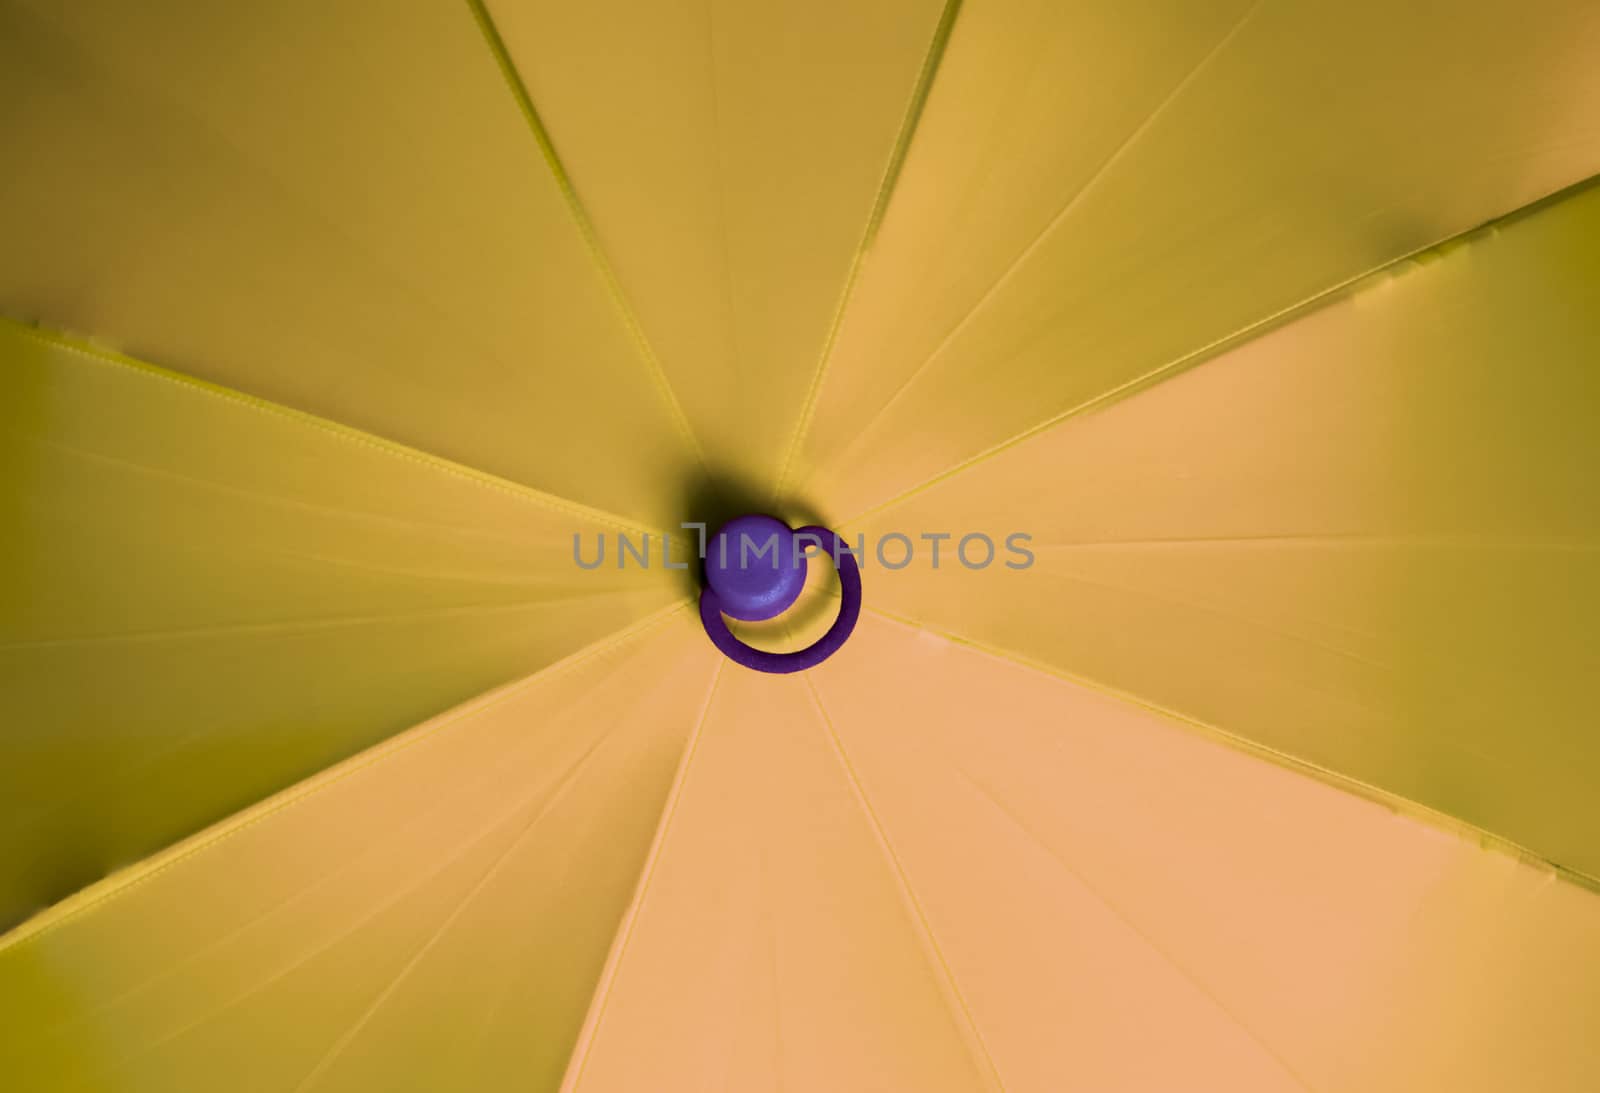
point(331, 330)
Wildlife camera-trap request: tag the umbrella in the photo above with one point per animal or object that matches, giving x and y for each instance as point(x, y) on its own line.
point(1182, 673)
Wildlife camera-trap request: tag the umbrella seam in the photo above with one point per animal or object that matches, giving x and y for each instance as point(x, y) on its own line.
point(1341, 291)
point(315, 623)
point(1376, 795)
point(585, 226)
point(954, 998)
point(294, 898)
point(582, 1047)
point(1127, 922)
point(266, 498)
point(152, 760)
point(518, 982)
point(148, 763)
point(557, 793)
point(880, 204)
point(1049, 229)
point(347, 433)
point(83, 902)
point(388, 902)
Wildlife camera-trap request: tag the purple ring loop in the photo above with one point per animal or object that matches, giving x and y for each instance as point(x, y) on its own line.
point(818, 651)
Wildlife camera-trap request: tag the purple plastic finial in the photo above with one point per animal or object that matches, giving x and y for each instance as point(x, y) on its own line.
point(755, 570)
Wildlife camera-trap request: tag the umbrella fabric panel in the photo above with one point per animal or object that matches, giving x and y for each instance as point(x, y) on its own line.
point(771, 945)
point(335, 206)
point(733, 158)
point(1126, 905)
point(430, 914)
point(1366, 540)
point(208, 598)
point(876, 256)
point(1082, 210)
point(927, 865)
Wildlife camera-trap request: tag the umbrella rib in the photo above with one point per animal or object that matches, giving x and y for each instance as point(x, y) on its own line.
point(423, 815)
point(384, 520)
point(582, 1048)
point(1394, 802)
point(731, 328)
point(586, 230)
point(349, 434)
point(482, 882)
point(1215, 348)
point(151, 760)
point(60, 914)
point(955, 1000)
point(557, 788)
point(880, 205)
point(1123, 917)
point(518, 979)
point(306, 956)
point(1127, 389)
point(1048, 230)
point(309, 625)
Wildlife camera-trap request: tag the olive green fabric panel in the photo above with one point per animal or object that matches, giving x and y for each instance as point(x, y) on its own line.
point(731, 156)
point(207, 598)
point(336, 206)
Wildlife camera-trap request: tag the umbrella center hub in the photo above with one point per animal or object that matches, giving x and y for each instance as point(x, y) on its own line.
point(755, 570)
point(753, 567)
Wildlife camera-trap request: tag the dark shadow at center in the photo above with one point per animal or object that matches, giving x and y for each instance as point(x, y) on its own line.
point(716, 497)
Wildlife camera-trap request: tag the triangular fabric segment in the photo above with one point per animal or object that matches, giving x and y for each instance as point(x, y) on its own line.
point(208, 598)
point(1128, 906)
point(1366, 540)
point(338, 207)
point(732, 157)
point(430, 915)
point(1098, 192)
point(772, 946)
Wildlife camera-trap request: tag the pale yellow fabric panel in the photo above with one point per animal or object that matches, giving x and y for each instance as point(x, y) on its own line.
point(730, 155)
point(208, 598)
point(1369, 539)
point(1098, 193)
point(771, 946)
point(335, 206)
point(430, 915)
point(1127, 906)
